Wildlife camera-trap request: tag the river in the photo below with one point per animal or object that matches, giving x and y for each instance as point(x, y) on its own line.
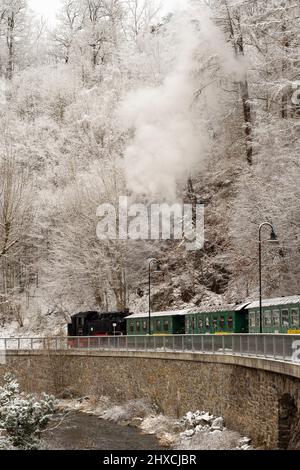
point(82, 432)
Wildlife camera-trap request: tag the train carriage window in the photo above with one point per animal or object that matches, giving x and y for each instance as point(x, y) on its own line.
point(295, 316)
point(131, 327)
point(158, 325)
point(145, 325)
point(138, 326)
point(285, 317)
point(200, 324)
point(166, 325)
point(193, 324)
point(267, 318)
point(252, 319)
point(207, 323)
point(187, 325)
point(230, 322)
point(215, 323)
point(222, 321)
point(276, 317)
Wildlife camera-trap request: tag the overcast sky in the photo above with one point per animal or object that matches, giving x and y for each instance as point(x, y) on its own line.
point(48, 8)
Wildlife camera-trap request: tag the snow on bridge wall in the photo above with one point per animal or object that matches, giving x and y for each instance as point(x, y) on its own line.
point(257, 397)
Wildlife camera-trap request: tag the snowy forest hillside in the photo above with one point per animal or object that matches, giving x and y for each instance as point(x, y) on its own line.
point(124, 98)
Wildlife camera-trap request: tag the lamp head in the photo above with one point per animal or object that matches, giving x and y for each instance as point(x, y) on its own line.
point(158, 268)
point(154, 263)
point(273, 236)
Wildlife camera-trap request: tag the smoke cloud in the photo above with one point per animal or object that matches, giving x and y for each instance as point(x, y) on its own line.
point(167, 143)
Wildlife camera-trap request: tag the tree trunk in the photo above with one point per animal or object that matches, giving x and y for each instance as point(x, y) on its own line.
point(284, 98)
point(10, 45)
point(243, 87)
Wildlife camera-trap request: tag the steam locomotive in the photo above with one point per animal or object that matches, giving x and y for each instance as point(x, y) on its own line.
point(98, 324)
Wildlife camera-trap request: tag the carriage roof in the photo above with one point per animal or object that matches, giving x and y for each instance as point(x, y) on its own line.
point(295, 299)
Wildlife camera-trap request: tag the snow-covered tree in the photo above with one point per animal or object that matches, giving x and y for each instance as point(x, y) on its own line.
point(23, 417)
point(71, 20)
point(13, 32)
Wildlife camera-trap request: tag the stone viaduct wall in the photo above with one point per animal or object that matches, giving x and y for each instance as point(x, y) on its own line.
point(257, 397)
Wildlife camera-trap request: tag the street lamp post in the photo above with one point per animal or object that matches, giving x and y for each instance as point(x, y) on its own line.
point(273, 238)
point(151, 262)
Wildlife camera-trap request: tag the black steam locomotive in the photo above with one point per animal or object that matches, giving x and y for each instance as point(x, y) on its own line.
point(98, 324)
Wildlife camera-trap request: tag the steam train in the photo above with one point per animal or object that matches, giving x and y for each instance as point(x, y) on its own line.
point(279, 315)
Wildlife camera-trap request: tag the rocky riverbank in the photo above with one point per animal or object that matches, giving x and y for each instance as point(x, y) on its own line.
point(195, 431)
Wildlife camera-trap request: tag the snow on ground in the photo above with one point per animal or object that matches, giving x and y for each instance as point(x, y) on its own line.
point(38, 320)
point(195, 431)
point(135, 409)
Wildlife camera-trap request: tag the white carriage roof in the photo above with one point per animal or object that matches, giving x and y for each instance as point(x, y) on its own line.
point(169, 313)
point(295, 299)
point(191, 311)
point(218, 308)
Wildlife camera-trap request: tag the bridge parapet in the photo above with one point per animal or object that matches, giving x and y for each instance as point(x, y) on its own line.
point(273, 347)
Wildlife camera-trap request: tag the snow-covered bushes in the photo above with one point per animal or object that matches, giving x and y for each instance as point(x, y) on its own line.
point(22, 417)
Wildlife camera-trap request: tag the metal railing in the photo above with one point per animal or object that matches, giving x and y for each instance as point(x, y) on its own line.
point(276, 347)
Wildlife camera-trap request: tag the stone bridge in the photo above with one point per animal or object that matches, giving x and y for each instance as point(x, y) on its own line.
point(257, 396)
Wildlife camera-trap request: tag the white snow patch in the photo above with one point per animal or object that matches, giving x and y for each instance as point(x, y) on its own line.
point(131, 410)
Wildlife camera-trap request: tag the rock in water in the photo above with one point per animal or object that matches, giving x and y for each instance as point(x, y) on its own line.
point(218, 424)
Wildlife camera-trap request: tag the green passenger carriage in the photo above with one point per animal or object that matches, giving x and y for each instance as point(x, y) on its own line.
point(217, 320)
point(162, 323)
point(280, 315)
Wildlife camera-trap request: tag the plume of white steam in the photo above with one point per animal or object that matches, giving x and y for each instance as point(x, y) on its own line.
point(166, 144)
